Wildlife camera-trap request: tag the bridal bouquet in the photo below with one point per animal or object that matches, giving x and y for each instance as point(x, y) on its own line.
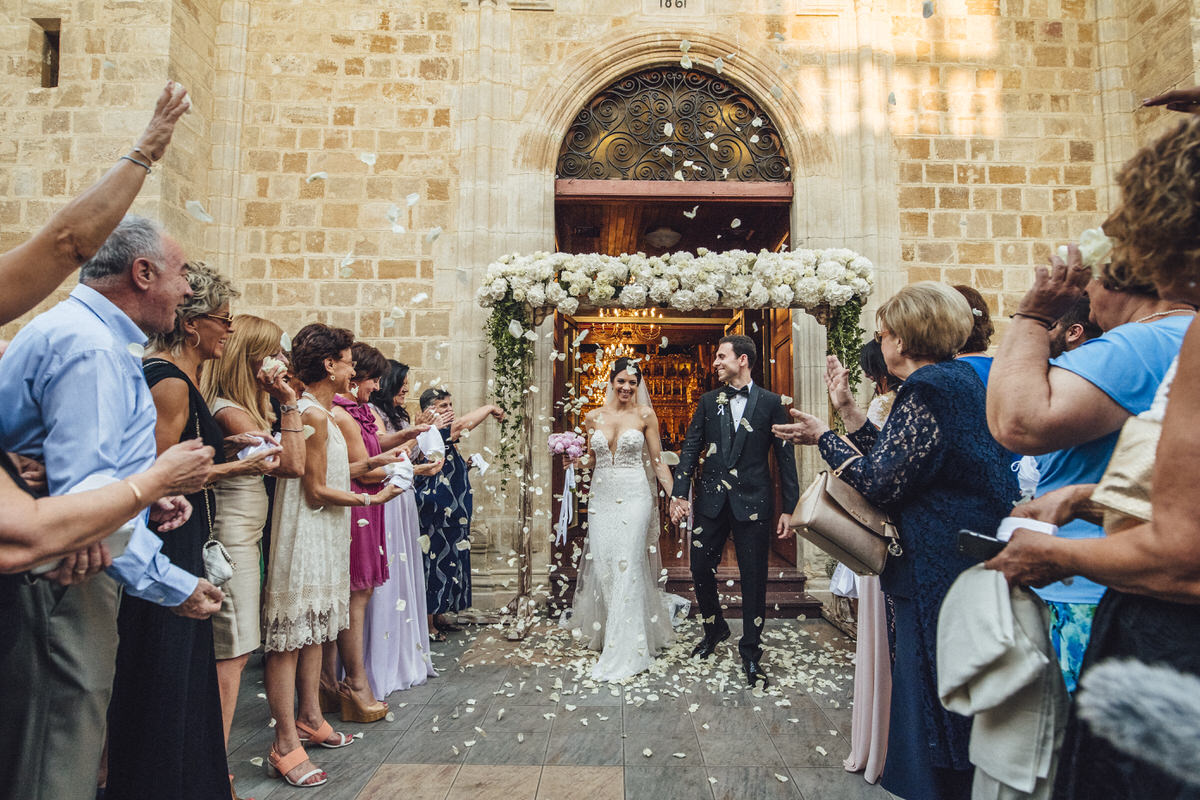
point(570, 445)
point(567, 444)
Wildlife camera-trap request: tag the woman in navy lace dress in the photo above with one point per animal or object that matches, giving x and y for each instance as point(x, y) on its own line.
point(936, 469)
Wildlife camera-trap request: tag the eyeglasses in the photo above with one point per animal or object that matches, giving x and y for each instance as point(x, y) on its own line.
point(227, 321)
point(879, 337)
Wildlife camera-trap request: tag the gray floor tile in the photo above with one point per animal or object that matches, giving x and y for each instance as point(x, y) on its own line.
point(345, 782)
point(667, 783)
point(463, 716)
point(831, 784)
point(753, 783)
point(657, 720)
point(663, 748)
point(600, 719)
point(419, 746)
point(809, 719)
point(801, 750)
point(585, 749)
point(518, 718)
point(751, 749)
point(507, 748)
point(727, 719)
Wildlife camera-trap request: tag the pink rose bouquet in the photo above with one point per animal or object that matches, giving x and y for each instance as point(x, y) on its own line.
point(568, 444)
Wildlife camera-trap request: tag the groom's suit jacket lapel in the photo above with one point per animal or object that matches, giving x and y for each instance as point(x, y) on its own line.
point(739, 439)
point(725, 423)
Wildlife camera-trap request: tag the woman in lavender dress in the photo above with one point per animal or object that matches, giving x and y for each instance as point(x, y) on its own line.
point(396, 632)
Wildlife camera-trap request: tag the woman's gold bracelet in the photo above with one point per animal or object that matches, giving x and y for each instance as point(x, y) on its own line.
point(137, 493)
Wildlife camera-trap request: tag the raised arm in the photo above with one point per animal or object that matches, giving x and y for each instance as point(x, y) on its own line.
point(472, 419)
point(32, 270)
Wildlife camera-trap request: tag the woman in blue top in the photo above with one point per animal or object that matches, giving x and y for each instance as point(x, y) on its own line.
point(974, 350)
point(936, 469)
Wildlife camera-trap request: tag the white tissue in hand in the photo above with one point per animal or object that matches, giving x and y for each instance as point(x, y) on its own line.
point(1094, 247)
point(260, 445)
point(431, 444)
point(1010, 524)
point(272, 366)
point(400, 473)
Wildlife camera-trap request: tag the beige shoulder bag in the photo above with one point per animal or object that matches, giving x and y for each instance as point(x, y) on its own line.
point(836, 518)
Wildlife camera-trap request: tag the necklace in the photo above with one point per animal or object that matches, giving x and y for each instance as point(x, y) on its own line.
point(1164, 313)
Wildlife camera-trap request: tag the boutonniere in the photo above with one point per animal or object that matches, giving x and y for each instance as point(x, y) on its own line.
point(722, 401)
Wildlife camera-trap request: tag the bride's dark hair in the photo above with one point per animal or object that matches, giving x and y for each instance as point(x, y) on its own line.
point(625, 363)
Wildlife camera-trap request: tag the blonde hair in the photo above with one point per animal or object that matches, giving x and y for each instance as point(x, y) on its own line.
point(233, 375)
point(931, 320)
point(210, 291)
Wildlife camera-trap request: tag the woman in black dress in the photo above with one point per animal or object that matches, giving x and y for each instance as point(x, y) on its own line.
point(165, 737)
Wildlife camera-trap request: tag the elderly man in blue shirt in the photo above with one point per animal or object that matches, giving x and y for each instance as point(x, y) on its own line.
point(76, 399)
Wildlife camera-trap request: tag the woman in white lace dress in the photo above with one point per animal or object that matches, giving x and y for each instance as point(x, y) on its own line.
point(618, 606)
point(307, 597)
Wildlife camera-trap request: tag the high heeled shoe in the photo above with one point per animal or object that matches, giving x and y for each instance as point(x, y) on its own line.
point(279, 766)
point(321, 736)
point(354, 710)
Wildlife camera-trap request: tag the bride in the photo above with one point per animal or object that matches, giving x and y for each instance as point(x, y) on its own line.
point(618, 606)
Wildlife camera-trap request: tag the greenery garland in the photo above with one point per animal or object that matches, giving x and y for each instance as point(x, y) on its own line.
point(512, 368)
point(843, 338)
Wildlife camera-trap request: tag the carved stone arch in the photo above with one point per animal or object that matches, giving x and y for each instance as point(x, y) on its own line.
point(670, 123)
point(551, 111)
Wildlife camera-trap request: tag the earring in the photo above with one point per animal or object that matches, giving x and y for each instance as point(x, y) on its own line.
point(189, 339)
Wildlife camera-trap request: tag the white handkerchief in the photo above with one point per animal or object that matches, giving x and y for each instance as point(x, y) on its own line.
point(400, 473)
point(1010, 524)
point(431, 444)
point(259, 446)
point(117, 541)
point(479, 464)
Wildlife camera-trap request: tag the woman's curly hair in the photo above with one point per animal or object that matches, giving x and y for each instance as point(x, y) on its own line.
point(1156, 231)
point(210, 291)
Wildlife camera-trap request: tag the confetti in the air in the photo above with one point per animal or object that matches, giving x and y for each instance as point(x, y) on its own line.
point(735, 223)
point(317, 176)
point(196, 209)
point(686, 61)
point(285, 342)
point(719, 65)
point(368, 158)
point(927, 9)
point(691, 214)
point(433, 234)
point(785, 400)
point(135, 349)
point(685, 45)
point(420, 297)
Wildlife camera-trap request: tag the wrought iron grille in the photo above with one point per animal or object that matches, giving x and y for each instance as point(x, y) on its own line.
point(673, 124)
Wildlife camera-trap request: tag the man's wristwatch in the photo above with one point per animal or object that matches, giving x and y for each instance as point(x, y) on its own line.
point(286, 409)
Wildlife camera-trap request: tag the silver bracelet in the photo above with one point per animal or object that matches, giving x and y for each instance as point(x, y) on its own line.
point(366, 498)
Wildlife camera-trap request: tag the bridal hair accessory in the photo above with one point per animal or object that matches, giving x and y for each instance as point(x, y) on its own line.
point(836, 518)
point(570, 445)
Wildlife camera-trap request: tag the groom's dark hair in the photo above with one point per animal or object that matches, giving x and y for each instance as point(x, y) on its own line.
point(742, 346)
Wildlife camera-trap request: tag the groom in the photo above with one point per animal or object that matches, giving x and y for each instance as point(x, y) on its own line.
point(730, 434)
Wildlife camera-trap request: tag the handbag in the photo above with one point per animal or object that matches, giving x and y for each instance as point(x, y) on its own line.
point(1124, 489)
point(218, 565)
point(836, 518)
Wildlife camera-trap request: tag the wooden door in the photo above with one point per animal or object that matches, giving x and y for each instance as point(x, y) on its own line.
point(778, 346)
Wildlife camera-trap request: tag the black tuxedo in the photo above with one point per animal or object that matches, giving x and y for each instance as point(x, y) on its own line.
point(734, 494)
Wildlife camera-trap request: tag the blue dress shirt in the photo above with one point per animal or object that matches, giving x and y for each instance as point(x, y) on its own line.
point(76, 399)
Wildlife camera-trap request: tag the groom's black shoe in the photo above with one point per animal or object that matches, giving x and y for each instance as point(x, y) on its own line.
point(708, 645)
point(754, 673)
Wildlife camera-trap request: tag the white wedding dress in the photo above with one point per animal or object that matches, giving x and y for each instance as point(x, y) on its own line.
point(619, 608)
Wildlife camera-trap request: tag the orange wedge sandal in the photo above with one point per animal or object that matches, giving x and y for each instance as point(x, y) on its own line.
point(279, 767)
point(321, 736)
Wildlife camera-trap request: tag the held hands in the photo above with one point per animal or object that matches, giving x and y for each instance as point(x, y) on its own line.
point(203, 603)
point(680, 509)
point(1056, 289)
point(172, 104)
point(168, 513)
point(79, 566)
point(807, 429)
point(184, 466)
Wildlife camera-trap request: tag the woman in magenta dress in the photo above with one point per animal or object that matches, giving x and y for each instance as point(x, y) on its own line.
point(368, 556)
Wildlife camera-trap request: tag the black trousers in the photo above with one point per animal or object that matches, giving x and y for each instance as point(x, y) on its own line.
point(752, 541)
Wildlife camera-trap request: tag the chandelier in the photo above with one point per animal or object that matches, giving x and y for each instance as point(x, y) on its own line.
point(628, 326)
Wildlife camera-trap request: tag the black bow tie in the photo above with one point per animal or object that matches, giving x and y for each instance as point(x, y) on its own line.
point(744, 391)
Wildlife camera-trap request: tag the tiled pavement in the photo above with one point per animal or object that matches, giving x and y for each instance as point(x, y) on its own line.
point(519, 721)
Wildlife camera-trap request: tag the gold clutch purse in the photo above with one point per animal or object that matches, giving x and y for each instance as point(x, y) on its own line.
point(1124, 490)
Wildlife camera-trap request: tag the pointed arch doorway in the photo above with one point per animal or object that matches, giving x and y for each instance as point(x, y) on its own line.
point(669, 160)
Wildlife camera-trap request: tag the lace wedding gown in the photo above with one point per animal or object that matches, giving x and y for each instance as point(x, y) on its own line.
point(618, 607)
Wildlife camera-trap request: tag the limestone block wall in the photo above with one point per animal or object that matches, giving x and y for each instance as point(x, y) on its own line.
point(995, 115)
